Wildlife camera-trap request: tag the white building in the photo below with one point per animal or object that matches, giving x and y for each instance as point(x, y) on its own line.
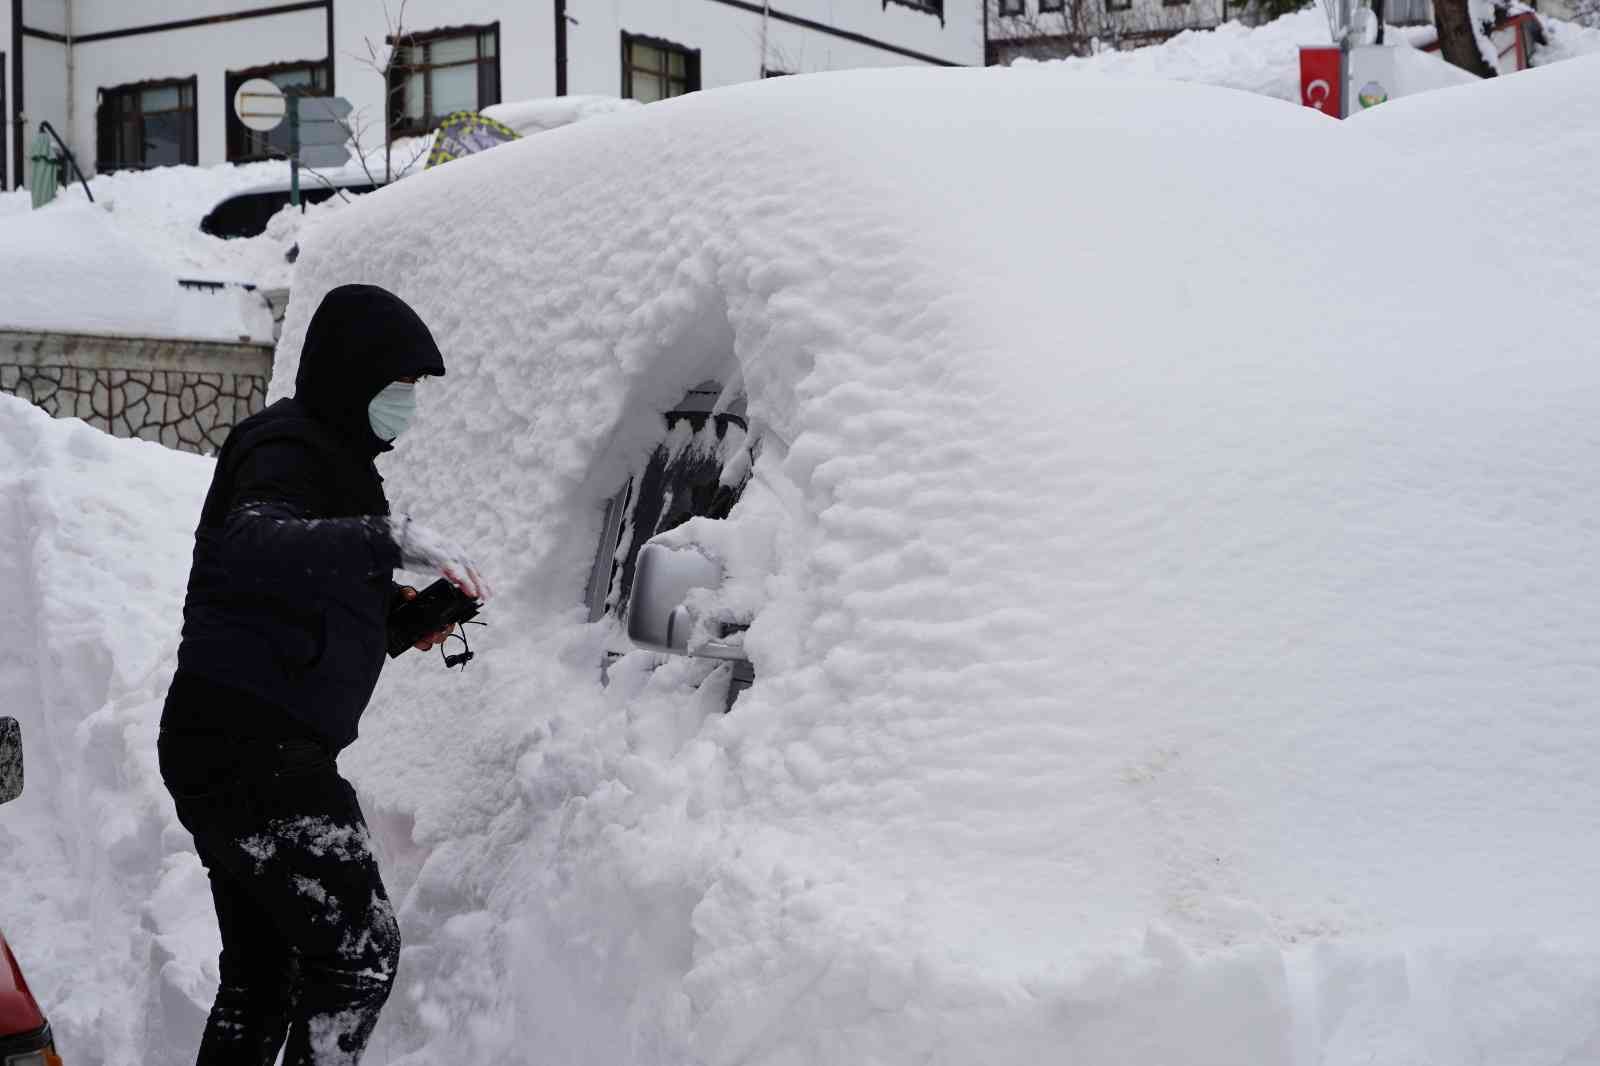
point(136, 83)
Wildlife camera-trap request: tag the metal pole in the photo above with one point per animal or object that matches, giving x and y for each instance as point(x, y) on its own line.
point(294, 152)
point(561, 47)
point(766, 22)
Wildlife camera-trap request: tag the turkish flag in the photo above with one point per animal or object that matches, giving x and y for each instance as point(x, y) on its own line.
point(1322, 80)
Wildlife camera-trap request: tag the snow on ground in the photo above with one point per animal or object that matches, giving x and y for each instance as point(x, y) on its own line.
point(70, 267)
point(61, 266)
point(1174, 610)
point(1261, 59)
point(1567, 40)
point(95, 534)
point(113, 266)
point(528, 117)
point(1266, 59)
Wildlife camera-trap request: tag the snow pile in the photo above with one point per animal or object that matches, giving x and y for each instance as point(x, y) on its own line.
point(1566, 40)
point(70, 267)
point(64, 270)
point(1173, 617)
point(528, 117)
point(1169, 579)
point(95, 534)
point(1263, 59)
point(1266, 59)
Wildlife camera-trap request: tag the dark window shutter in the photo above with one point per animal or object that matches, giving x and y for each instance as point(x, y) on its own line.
point(191, 129)
point(106, 156)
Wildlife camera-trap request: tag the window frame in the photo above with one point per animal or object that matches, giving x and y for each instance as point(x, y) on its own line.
point(1015, 8)
point(189, 137)
point(238, 135)
point(395, 110)
point(691, 63)
point(608, 573)
point(927, 7)
point(1052, 7)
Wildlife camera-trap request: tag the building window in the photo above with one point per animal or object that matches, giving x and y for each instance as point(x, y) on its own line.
point(655, 70)
point(305, 78)
point(1052, 7)
point(438, 73)
point(1018, 7)
point(151, 124)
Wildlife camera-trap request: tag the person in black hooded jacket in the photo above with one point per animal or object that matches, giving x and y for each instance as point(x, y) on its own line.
point(283, 640)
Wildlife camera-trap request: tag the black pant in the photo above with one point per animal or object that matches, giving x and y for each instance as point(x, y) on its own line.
point(309, 939)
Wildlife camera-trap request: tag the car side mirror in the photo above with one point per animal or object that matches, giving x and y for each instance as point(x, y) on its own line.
point(10, 760)
point(658, 621)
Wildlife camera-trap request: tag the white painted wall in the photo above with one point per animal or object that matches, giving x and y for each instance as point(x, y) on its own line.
point(98, 16)
point(47, 15)
point(45, 89)
point(44, 77)
point(207, 52)
point(729, 40)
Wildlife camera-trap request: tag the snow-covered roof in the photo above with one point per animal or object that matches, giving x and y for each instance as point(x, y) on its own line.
point(1170, 548)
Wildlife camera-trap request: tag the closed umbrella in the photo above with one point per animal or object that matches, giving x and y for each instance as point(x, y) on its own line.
point(45, 173)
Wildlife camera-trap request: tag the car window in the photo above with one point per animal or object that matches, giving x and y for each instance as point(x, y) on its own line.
point(699, 470)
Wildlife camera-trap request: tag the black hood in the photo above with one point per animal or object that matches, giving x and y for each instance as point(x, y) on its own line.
point(361, 339)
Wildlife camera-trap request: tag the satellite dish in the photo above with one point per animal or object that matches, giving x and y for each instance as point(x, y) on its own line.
point(260, 105)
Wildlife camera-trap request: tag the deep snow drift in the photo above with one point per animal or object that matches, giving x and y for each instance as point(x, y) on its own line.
point(113, 266)
point(1266, 59)
point(1169, 575)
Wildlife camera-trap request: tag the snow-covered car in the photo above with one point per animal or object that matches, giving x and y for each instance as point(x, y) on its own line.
point(1168, 604)
point(25, 1038)
point(246, 213)
point(1157, 524)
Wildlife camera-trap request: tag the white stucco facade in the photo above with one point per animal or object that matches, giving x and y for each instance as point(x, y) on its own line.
point(71, 50)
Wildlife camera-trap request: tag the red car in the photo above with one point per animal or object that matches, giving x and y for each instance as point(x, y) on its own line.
point(24, 1033)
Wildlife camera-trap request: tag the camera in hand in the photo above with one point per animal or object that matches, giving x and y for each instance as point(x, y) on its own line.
point(436, 607)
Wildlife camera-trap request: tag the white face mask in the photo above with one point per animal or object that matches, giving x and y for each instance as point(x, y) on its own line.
point(390, 411)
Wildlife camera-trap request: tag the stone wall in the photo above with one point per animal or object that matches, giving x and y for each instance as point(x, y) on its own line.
point(184, 394)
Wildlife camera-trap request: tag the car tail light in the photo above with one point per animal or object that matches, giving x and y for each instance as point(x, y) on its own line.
point(45, 1056)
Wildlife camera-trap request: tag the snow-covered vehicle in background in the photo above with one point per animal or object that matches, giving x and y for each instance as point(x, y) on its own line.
point(246, 212)
point(25, 1038)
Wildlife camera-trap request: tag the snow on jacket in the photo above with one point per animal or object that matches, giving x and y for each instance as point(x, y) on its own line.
point(291, 581)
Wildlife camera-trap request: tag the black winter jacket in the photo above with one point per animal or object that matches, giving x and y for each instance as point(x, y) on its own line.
point(291, 582)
